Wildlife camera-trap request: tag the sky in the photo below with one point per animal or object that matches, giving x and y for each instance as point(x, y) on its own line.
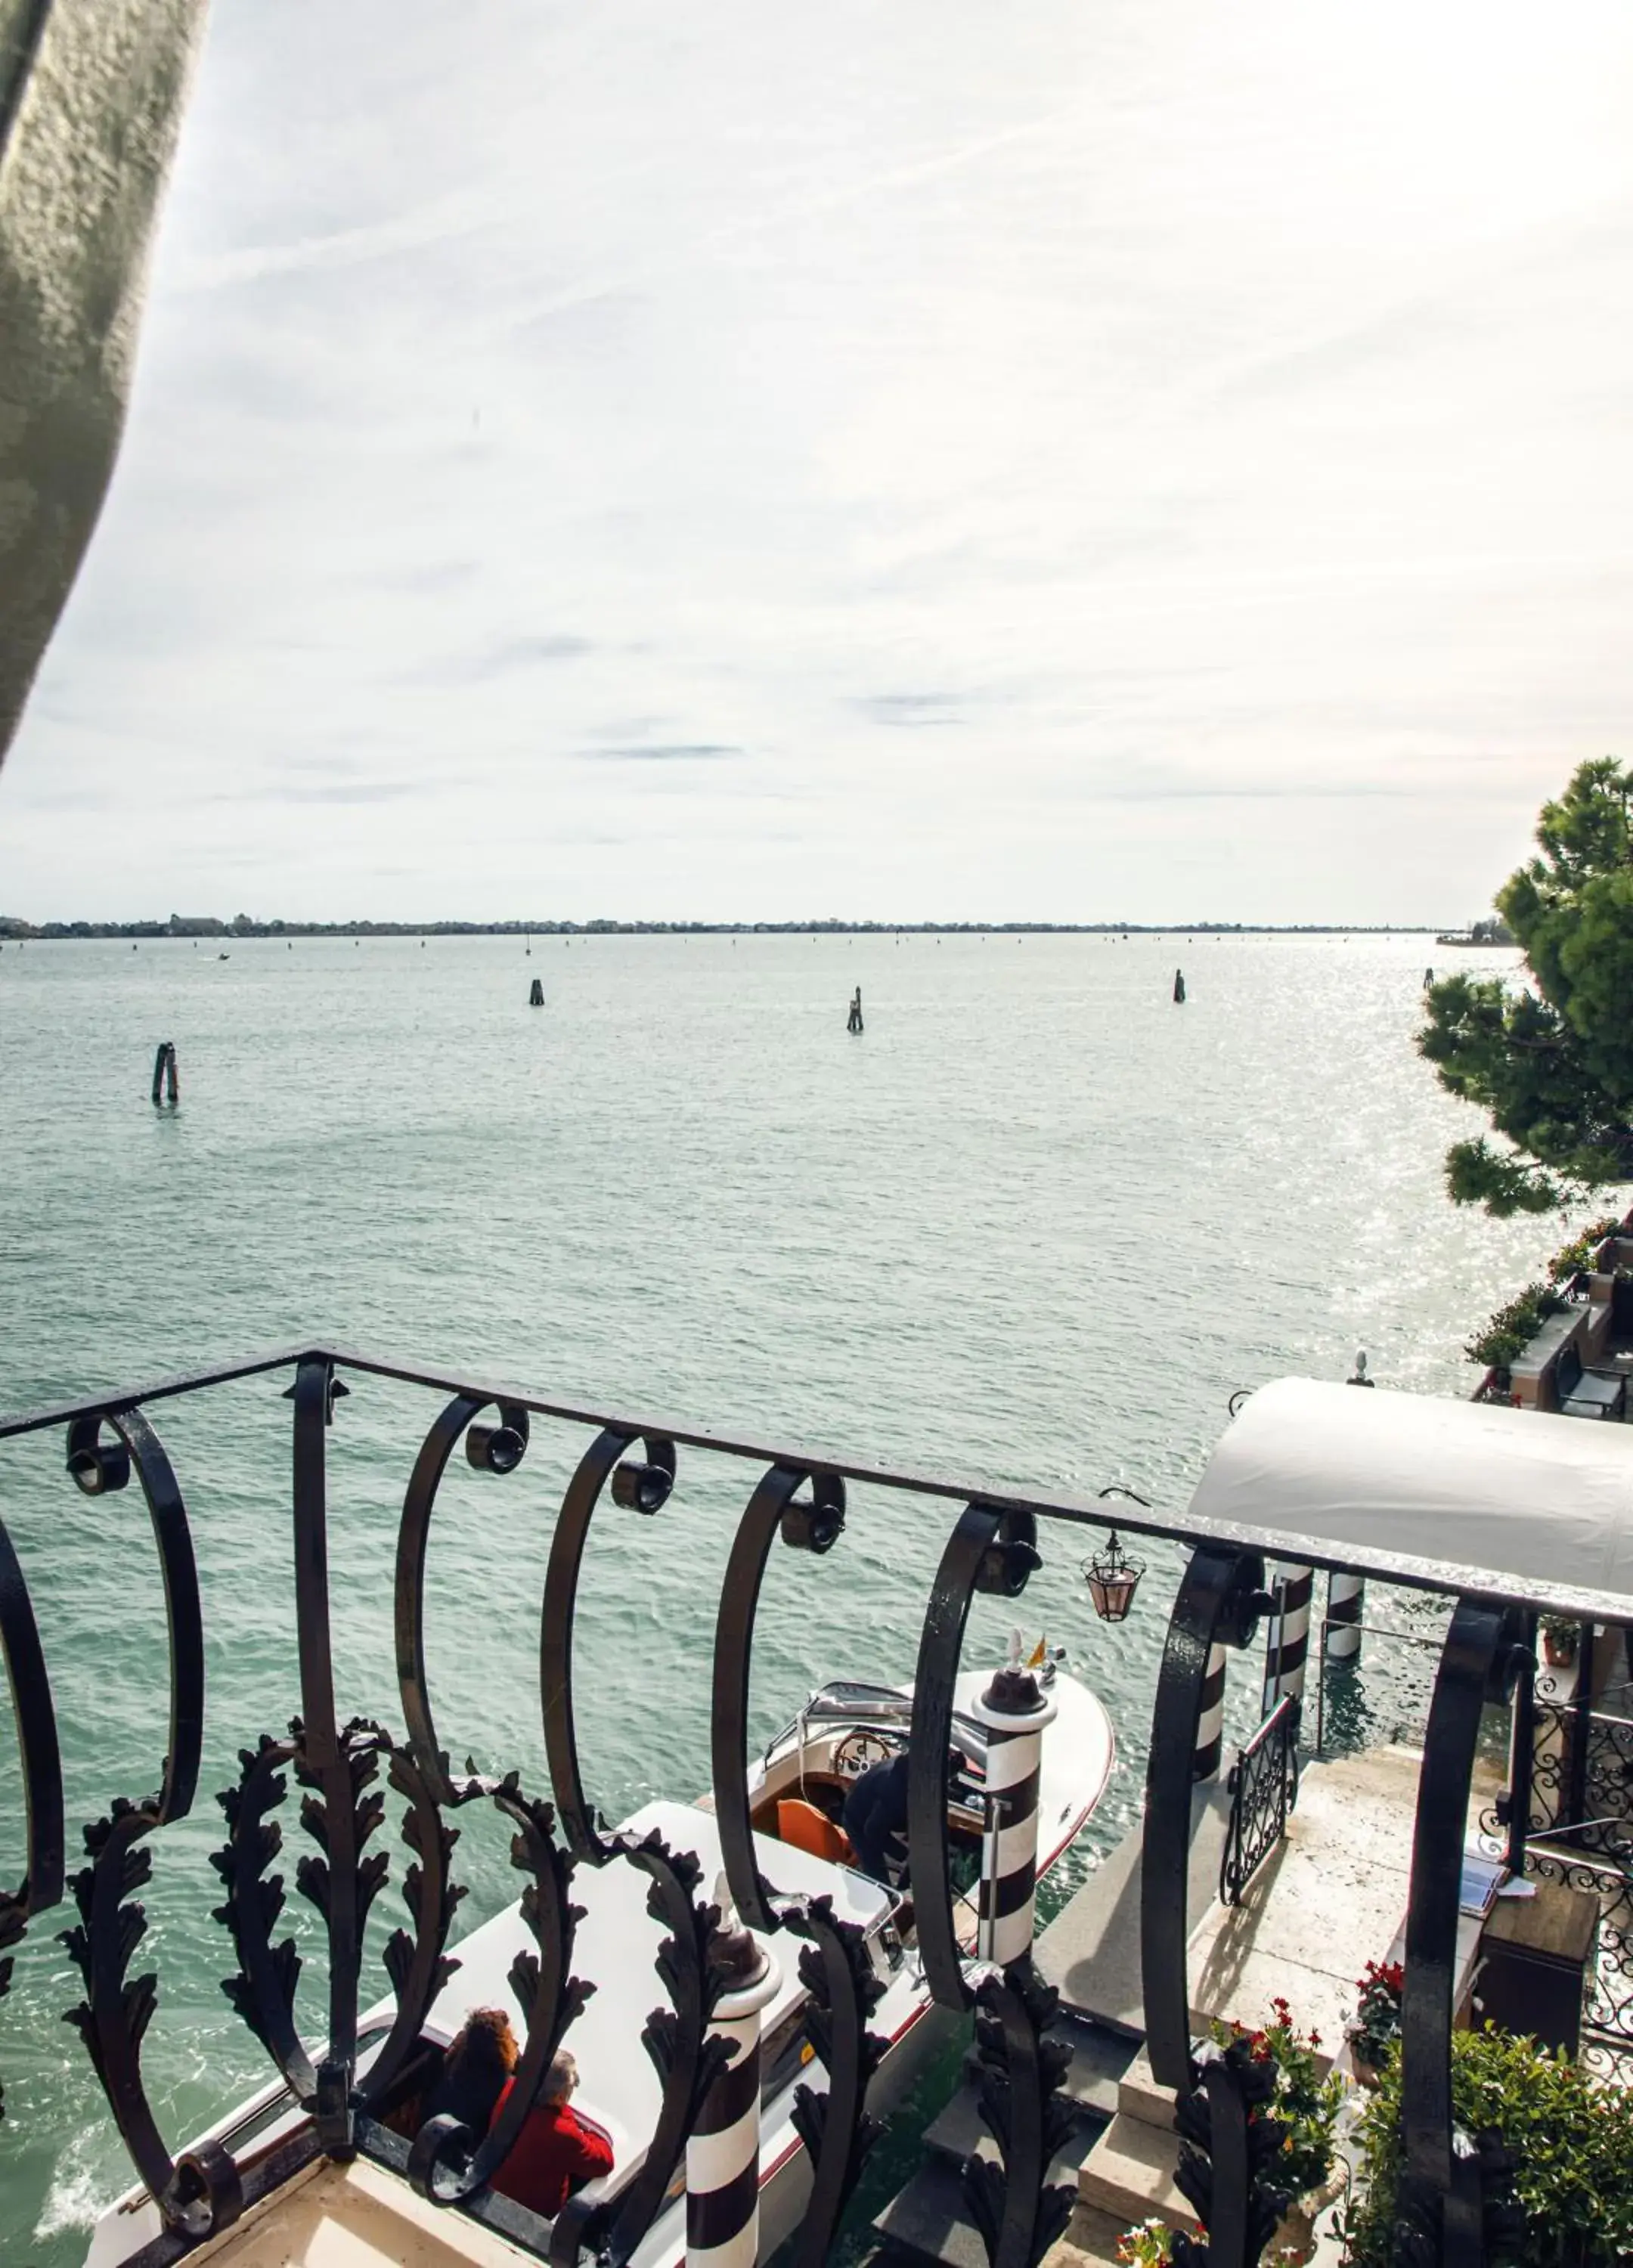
point(1139, 461)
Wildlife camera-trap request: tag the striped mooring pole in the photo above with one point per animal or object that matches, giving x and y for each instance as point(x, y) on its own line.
point(1015, 1712)
point(1346, 1596)
point(723, 2150)
point(1210, 1720)
point(1288, 1645)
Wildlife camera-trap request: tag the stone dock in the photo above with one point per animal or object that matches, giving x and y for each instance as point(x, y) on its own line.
point(1332, 1896)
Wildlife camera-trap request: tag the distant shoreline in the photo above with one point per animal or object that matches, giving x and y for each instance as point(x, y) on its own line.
point(200, 928)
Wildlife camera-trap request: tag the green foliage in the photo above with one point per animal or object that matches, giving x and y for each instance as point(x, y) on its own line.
point(1578, 1253)
point(1513, 1327)
point(1552, 1067)
point(1573, 2141)
point(1506, 1333)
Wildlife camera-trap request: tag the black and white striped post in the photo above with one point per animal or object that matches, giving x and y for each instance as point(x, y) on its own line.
point(1346, 1597)
point(1210, 1720)
point(1287, 1647)
point(1015, 1712)
point(723, 2150)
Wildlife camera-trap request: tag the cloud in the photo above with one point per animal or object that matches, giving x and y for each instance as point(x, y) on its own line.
point(337, 248)
point(337, 792)
point(912, 709)
point(504, 660)
point(664, 752)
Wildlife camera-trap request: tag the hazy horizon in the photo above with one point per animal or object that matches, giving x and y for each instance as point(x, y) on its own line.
point(557, 924)
point(921, 458)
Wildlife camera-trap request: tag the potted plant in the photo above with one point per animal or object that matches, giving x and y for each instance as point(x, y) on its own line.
point(1568, 2136)
point(1307, 2104)
point(1376, 2024)
point(1561, 1636)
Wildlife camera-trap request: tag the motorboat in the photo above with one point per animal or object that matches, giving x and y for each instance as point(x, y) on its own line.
point(796, 1793)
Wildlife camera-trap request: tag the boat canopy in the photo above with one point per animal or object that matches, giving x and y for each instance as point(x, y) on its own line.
point(1545, 1500)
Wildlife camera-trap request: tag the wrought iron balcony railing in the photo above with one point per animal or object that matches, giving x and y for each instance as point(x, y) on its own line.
point(636, 1468)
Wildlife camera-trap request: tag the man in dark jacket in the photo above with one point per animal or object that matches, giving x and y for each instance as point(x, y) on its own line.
point(876, 1820)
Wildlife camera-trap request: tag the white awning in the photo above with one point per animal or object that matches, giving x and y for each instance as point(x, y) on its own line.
point(1547, 1500)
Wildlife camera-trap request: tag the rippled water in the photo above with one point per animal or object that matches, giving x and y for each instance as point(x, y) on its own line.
point(1035, 1225)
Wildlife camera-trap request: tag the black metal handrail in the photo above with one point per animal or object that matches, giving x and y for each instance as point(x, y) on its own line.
point(632, 1468)
point(1263, 1787)
point(1450, 1579)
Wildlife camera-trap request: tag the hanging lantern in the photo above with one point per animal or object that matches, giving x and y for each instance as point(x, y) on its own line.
point(1113, 1579)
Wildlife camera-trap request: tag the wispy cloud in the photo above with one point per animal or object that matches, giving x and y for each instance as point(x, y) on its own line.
point(340, 792)
point(510, 657)
point(663, 751)
point(913, 710)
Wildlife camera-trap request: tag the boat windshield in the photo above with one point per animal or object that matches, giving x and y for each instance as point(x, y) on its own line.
point(850, 1701)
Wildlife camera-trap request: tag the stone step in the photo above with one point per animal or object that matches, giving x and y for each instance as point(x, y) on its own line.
point(930, 2219)
point(1090, 2241)
point(1099, 2059)
point(1130, 2171)
point(960, 2132)
point(1139, 2096)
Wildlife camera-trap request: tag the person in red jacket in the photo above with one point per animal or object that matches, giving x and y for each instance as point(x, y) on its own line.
point(557, 2151)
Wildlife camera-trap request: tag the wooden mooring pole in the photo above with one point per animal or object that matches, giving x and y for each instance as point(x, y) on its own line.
point(167, 1086)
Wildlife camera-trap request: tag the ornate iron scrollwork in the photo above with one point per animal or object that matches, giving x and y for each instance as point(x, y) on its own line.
point(1446, 2193)
point(1263, 1788)
point(200, 2193)
point(1018, 2212)
point(349, 1772)
point(835, 2127)
point(836, 2130)
point(489, 1448)
point(41, 1884)
point(1229, 2145)
point(263, 1991)
point(1219, 1599)
point(442, 2164)
point(340, 1809)
point(637, 1487)
point(813, 1524)
point(993, 1550)
point(676, 2041)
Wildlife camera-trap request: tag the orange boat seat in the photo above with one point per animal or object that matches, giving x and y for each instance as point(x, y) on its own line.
point(808, 1829)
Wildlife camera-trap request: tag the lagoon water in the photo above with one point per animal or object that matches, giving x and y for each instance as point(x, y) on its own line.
point(1034, 1226)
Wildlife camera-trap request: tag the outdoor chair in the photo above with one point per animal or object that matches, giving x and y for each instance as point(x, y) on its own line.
point(1588, 1393)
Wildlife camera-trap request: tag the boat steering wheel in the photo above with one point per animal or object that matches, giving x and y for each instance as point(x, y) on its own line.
point(860, 1751)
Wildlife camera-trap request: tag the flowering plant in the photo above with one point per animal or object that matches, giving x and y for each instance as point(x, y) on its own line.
point(1307, 2103)
point(1147, 2246)
point(1150, 2245)
point(1377, 2019)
